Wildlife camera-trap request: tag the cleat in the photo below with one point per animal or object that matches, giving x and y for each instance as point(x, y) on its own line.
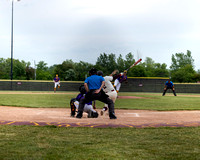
point(92, 114)
point(112, 115)
point(79, 114)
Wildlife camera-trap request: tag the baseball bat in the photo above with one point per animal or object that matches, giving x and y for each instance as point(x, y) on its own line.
point(134, 64)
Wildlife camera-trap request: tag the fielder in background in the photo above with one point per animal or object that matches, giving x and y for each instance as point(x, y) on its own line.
point(88, 108)
point(120, 78)
point(56, 82)
point(108, 88)
point(93, 86)
point(169, 85)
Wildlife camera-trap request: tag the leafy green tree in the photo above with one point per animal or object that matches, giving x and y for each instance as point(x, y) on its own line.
point(182, 67)
point(120, 63)
point(42, 66)
point(106, 63)
point(184, 74)
point(61, 69)
point(5, 68)
point(30, 73)
point(42, 72)
point(82, 70)
point(149, 65)
point(160, 70)
point(19, 69)
point(129, 60)
point(180, 60)
point(137, 71)
point(70, 75)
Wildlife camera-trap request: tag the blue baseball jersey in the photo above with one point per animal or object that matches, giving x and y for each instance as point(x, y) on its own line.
point(169, 84)
point(94, 81)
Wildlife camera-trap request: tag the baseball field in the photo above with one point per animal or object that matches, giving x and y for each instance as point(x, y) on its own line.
point(37, 125)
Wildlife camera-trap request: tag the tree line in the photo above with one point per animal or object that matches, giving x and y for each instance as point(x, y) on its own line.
point(181, 69)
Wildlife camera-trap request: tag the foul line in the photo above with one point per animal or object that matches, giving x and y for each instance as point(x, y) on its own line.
point(136, 114)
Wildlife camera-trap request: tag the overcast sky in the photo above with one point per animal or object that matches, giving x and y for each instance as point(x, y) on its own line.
point(56, 30)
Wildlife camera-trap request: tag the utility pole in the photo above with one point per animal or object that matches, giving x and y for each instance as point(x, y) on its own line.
point(11, 70)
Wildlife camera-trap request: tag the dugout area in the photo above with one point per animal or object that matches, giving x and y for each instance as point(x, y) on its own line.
point(135, 84)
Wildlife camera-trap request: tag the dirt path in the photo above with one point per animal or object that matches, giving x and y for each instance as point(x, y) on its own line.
point(125, 118)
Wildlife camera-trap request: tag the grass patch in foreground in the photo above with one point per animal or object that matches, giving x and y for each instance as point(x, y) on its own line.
point(30, 142)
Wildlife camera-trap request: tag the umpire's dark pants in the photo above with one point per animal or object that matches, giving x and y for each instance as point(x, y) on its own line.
point(165, 90)
point(101, 96)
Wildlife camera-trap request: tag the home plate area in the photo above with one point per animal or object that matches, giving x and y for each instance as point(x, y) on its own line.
point(125, 118)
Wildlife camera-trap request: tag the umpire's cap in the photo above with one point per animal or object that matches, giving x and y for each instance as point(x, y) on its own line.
point(100, 73)
point(93, 71)
point(82, 89)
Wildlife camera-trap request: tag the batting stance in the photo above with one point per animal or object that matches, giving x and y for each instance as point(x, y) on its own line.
point(56, 82)
point(88, 108)
point(169, 85)
point(93, 86)
point(120, 78)
point(108, 88)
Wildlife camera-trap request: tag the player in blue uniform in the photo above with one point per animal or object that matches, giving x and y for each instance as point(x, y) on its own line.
point(93, 86)
point(169, 85)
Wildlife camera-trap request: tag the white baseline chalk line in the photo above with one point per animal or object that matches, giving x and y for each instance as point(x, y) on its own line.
point(136, 114)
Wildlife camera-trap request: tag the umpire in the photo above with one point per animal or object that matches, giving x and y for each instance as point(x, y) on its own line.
point(169, 85)
point(93, 86)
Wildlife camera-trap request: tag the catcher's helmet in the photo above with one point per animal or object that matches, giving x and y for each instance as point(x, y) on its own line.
point(82, 89)
point(100, 73)
point(93, 71)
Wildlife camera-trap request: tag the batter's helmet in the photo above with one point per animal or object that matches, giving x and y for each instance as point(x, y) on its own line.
point(82, 89)
point(100, 73)
point(93, 71)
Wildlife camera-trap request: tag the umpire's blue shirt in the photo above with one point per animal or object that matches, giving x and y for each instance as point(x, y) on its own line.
point(169, 84)
point(94, 81)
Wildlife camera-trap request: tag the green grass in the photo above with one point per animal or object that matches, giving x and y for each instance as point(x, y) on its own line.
point(152, 101)
point(56, 143)
point(36, 100)
point(30, 142)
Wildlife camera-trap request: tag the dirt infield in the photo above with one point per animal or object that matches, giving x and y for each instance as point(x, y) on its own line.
point(125, 118)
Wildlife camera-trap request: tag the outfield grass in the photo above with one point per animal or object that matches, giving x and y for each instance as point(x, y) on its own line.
point(39, 143)
point(151, 101)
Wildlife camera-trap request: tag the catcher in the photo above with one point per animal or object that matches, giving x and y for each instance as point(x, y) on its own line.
point(88, 108)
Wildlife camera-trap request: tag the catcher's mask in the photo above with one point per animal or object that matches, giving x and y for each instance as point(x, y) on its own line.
point(82, 89)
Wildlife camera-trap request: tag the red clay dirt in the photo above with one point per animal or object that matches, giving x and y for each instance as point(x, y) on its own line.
point(125, 118)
